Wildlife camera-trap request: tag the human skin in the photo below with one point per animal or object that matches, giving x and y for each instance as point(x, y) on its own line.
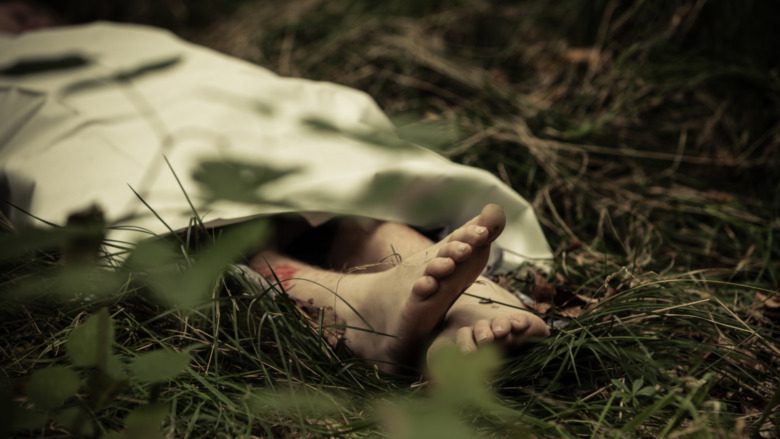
point(396, 313)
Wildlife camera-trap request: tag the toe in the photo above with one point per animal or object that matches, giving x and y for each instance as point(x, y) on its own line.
point(537, 327)
point(482, 229)
point(520, 322)
point(500, 326)
point(425, 287)
point(472, 234)
point(440, 267)
point(464, 340)
point(492, 217)
point(529, 325)
point(456, 250)
point(482, 332)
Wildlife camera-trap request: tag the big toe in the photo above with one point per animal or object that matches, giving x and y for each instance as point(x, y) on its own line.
point(530, 324)
point(482, 229)
point(522, 326)
point(493, 218)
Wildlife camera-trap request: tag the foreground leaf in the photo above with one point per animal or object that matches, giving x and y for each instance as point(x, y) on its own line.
point(49, 388)
point(146, 421)
point(90, 344)
point(462, 380)
point(158, 366)
point(193, 286)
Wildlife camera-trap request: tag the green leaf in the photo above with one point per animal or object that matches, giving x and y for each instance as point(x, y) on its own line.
point(236, 181)
point(647, 391)
point(146, 421)
point(192, 287)
point(424, 419)
point(636, 385)
point(620, 385)
point(76, 422)
point(462, 380)
point(90, 344)
point(152, 255)
point(159, 366)
point(297, 401)
point(115, 369)
point(14, 245)
point(49, 388)
point(420, 201)
point(84, 280)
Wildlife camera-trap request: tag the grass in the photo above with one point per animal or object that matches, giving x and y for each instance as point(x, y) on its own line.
point(646, 138)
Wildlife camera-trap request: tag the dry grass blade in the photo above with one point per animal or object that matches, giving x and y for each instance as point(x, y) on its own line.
point(646, 137)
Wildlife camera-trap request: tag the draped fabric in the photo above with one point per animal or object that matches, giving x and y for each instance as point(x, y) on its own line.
point(108, 114)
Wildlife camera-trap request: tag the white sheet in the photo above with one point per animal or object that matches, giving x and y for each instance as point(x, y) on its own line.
point(79, 134)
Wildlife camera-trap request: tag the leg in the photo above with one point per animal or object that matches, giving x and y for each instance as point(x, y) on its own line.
point(391, 315)
point(494, 315)
point(373, 245)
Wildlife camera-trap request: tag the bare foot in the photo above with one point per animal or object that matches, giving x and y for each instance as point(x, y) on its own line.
point(487, 313)
point(391, 315)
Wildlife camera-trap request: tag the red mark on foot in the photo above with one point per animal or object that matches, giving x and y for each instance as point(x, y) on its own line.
point(284, 272)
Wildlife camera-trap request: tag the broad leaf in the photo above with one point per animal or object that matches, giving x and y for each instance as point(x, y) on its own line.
point(145, 422)
point(49, 388)
point(75, 421)
point(90, 344)
point(159, 366)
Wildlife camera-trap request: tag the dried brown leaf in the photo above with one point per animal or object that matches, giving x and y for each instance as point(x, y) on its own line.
point(541, 290)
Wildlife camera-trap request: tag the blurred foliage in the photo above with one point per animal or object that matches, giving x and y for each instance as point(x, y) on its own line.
point(645, 135)
point(70, 394)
